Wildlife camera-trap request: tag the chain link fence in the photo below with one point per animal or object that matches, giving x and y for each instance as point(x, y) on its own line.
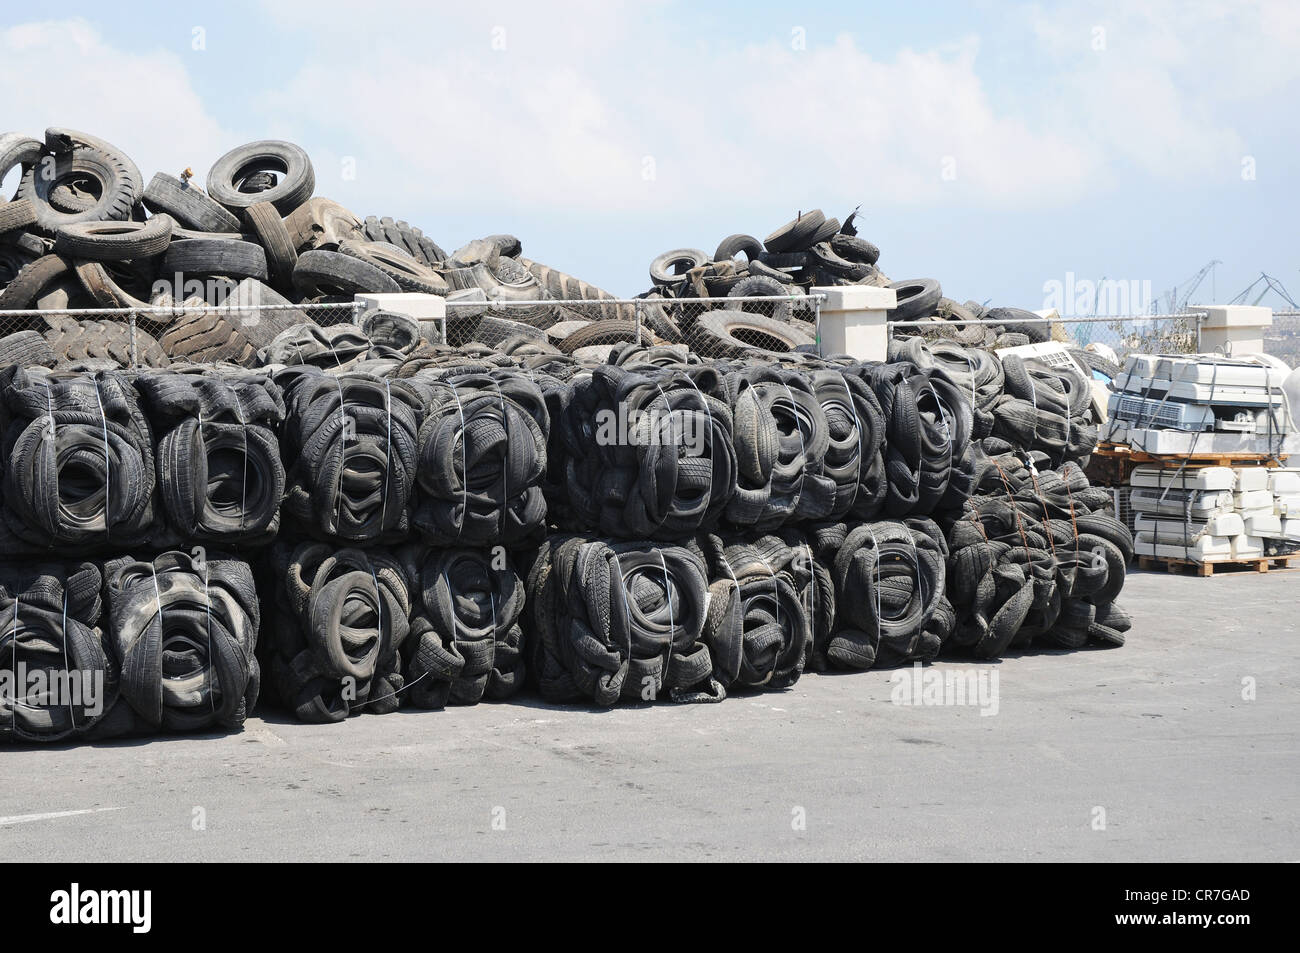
point(711, 328)
point(1283, 338)
point(1124, 335)
point(244, 333)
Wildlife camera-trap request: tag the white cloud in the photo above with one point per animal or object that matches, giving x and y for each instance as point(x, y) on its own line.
point(566, 115)
point(62, 72)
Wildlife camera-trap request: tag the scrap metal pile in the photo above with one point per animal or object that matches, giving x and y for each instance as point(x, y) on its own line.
point(348, 518)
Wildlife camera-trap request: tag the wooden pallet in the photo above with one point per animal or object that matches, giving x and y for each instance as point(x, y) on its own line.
point(1225, 567)
point(1121, 452)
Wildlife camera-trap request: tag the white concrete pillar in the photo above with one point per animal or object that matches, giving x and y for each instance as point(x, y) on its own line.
point(853, 320)
point(1233, 328)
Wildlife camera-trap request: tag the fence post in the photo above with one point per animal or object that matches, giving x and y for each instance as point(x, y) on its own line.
point(135, 349)
point(636, 313)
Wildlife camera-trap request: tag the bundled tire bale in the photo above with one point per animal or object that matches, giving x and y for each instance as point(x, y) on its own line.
point(854, 457)
point(1044, 408)
point(767, 598)
point(220, 476)
point(781, 436)
point(58, 679)
point(1036, 555)
point(78, 461)
point(643, 453)
point(337, 348)
point(481, 458)
point(991, 594)
point(928, 425)
point(976, 372)
point(889, 579)
point(619, 621)
point(465, 641)
point(349, 444)
point(184, 627)
point(341, 616)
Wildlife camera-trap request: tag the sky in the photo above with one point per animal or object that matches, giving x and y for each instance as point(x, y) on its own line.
point(1008, 150)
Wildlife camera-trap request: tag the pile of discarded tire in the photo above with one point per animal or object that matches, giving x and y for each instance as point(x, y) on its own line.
point(372, 521)
point(84, 230)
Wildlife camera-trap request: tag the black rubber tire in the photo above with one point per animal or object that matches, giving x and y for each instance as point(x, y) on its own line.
point(763, 286)
point(109, 172)
point(508, 245)
point(562, 287)
point(207, 337)
point(917, 298)
point(329, 272)
point(733, 245)
point(825, 233)
point(1020, 321)
point(296, 185)
point(321, 223)
point(28, 348)
point(76, 341)
point(189, 205)
point(106, 292)
point(33, 279)
point(396, 232)
point(734, 333)
point(408, 272)
point(264, 221)
point(115, 241)
point(18, 150)
point(215, 256)
point(667, 269)
point(796, 234)
point(853, 248)
point(599, 332)
point(761, 269)
point(62, 140)
point(16, 215)
point(1097, 363)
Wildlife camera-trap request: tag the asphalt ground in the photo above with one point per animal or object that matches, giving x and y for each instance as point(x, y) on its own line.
point(1182, 745)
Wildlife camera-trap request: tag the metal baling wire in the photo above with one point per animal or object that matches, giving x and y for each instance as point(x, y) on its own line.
point(54, 449)
point(875, 584)
point(705, 403)
point(464, 460)
point(243, 488)
point(13, 641)
point(946, 417)
point(1047, 517)
point(203, 444)
point(505, 461)
point(67, 665)
point(812, 599)
point(627, 609)
point(916, 570)
point(1015, 510)
point(108, 494)
point(379, 611)
point(672, 621)
point(803, 446)
point(207, 604)
point(343, 455)
point(388, 452)
point(162, 630)
point(722, 551)
point(776, 598)
point(857, 429)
